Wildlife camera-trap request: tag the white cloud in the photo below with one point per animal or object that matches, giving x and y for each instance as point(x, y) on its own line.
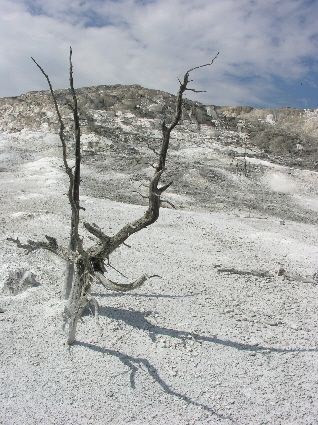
point(151, 43)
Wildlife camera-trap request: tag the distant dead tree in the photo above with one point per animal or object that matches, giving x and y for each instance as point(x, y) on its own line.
point(86, 265)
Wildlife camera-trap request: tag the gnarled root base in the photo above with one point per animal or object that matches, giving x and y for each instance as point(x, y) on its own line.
point(80, 297)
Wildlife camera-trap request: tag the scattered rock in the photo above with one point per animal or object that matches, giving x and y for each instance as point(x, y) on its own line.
point(18, 281)
point(281, 272)
point(274, 323)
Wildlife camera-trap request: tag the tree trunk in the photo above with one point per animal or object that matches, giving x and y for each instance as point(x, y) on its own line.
point(78, 297)
point(69, 275)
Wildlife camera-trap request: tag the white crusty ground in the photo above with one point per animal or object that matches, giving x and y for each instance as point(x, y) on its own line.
point(201, 345)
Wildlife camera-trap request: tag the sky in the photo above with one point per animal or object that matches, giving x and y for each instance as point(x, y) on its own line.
point(268, 48)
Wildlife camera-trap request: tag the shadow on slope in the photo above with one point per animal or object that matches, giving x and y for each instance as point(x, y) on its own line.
point(136, 363)
point(139, 321)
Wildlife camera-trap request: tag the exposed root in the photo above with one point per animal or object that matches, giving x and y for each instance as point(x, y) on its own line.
point(120, 287)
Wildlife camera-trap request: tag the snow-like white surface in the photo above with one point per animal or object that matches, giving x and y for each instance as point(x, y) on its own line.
point(280, 182)
point(270, 119)
point(307, 202)
point(257, 161)
point(219, 339)
point(197, 346)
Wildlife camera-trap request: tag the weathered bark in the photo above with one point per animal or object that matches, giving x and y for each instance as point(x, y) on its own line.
point(74, 236)
point(78, 297)
point(69, 275)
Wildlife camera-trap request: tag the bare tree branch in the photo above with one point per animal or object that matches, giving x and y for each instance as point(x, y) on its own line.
point(103, 250)
point(196, 91)
point(165, 201)
point(75, 242)
point(206, 64)
point(96, 231)
point(62, 128)
point(77, 136)
point(74, 178)
point(116, 270)
point(77, 171)
point(51, 245)
point(140, 194)
point(164, 188)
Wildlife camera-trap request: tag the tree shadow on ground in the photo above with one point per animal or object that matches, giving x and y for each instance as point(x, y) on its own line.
point(139, 320)
point(137, 363)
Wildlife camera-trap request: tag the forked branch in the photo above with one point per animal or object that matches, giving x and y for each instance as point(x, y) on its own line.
point(105, 246)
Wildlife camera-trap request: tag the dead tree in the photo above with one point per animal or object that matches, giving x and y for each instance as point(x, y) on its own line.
point(88, 265)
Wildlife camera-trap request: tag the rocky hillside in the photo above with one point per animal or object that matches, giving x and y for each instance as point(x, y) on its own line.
point(222, 158)
point(287, 135)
